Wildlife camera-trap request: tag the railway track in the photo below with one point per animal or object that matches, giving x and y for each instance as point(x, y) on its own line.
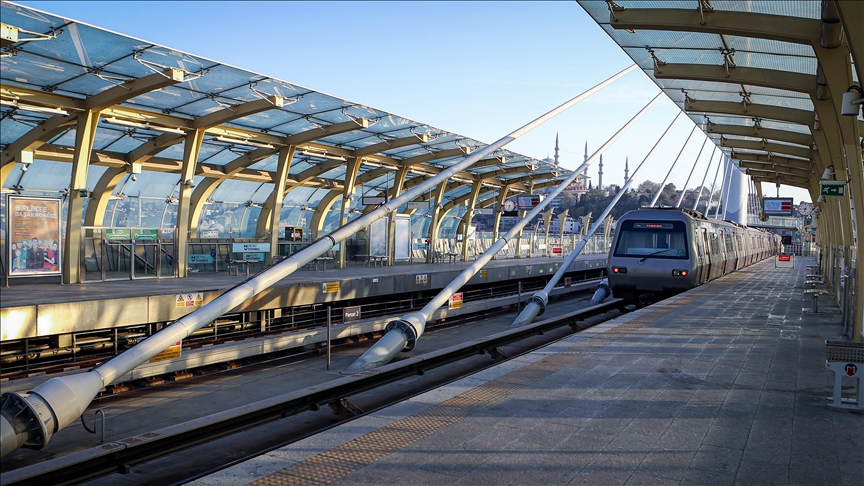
point(340, 395)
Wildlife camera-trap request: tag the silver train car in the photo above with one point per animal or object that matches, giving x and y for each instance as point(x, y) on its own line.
point(660, 252)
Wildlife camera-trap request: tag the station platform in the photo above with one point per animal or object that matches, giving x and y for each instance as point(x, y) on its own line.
point(31, 310)
point(723, 384)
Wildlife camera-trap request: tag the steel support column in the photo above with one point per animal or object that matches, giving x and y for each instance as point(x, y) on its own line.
point(183, 228)
point(84, 136)
point(273, 205)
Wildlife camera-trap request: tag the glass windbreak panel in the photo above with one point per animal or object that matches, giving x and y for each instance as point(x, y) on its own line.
point(652, 239)
point(43, 175)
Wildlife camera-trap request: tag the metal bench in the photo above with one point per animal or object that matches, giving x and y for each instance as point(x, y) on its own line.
point(815, 293)
point(234, 266)
point(451, 255)
point(845, 359)
point(374, 261)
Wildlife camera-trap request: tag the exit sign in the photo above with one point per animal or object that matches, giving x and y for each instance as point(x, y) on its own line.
point(832, 188)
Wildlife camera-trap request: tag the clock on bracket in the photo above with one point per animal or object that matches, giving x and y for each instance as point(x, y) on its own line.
point(509, 206)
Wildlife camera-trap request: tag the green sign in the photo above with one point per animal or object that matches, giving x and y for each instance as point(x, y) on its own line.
point(118, 234)
point(145, 234)
point(833, 188)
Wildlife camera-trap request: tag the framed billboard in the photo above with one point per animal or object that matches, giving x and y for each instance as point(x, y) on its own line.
point(34, 245)
point(777, 206)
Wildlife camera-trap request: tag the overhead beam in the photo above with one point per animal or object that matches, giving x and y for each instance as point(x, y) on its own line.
point(391, 144)
point(765, 133)
point(767, 78)
point(134, 88)
point(772, 159)
point(779, 113)
point(775, 169)
point(796, 30)
point(774, 148)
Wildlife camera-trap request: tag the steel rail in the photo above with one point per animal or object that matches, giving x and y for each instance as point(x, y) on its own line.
point(119, 456)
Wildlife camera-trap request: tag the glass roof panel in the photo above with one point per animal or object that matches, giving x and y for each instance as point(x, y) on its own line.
point(158, 184)
point(270, 163)
point(234, 191)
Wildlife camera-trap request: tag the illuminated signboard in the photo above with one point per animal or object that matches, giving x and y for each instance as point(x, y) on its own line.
point(777, 206)
point(374, 200)
point(652, 225)
point(529, 201)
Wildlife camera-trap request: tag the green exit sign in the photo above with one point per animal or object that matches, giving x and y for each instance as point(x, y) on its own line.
point(832, 188)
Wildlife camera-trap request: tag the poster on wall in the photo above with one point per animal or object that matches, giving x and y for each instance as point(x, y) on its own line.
point(34, 235)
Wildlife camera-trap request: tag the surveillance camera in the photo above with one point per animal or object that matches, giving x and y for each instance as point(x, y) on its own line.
point(134, 177)
point(852, 100)
point(24, 167)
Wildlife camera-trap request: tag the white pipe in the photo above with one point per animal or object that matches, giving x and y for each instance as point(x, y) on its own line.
point(537, 302)
point(728, 188)
point(665, 179)
point(413, 325)
point(723, 185)
point(65, 398)
point(693, 169)
point(704, 178)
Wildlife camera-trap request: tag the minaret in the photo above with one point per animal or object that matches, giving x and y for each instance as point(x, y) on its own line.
point(626, 170)
point(584, 160)
point(556, 148)
point(600, 178)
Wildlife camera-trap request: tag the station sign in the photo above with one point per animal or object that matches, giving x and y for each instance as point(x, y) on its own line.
point(199, 258)
point(784, 261)
point(350, 314)
point(456, 301)
point(373, 200)
point(145, 234)
point(419, 204)
point(832, 188)
point(251, 247)
point(114, 234)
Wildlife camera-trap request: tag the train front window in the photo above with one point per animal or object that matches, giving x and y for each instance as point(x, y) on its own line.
point(652, 239)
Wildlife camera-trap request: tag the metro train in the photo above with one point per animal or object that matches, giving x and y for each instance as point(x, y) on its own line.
point(660, 252)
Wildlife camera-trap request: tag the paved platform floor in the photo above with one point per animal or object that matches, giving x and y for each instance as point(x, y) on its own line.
point(724, 384)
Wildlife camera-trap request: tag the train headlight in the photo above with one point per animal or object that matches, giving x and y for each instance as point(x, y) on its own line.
point(679, 273)
point(619, 269)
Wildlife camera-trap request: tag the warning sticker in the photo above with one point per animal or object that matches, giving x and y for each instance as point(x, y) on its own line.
point(173, 352)
point(189, 300)
point(330, 287)
point(456, 300)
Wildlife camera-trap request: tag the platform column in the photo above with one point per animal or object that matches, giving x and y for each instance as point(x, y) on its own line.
point(469, 215)
point(437, 214)
point(353, 167)
point(499, 211)
point(191, 149)
point(269, 222)
point(395, 191)
point(84, 136)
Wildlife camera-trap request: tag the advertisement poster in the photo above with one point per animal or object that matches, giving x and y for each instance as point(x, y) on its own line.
point(34, 235)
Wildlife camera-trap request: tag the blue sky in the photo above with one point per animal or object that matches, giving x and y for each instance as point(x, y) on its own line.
point(479, 69)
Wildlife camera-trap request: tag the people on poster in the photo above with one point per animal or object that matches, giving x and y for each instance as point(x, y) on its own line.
point(34, 235)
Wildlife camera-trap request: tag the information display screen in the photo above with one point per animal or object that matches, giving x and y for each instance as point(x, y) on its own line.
point(777, 206)
point(529, 201)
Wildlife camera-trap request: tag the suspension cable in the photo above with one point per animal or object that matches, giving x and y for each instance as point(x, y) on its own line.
point(693, 169)
point(663, 184)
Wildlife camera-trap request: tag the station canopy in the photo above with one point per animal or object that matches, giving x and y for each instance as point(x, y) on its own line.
point(151, 98)
point(747, 72)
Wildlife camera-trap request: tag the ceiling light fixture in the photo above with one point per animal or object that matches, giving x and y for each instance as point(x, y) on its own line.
point(33, 108)
point(146, 125)
point(247, 142)
point(321, 154)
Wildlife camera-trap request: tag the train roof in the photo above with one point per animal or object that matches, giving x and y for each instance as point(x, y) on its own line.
point(688, 212)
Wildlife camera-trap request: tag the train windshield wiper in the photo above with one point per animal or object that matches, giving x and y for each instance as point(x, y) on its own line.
point(642, 260)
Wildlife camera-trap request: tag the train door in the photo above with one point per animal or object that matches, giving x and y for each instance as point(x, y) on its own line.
point(702, 264)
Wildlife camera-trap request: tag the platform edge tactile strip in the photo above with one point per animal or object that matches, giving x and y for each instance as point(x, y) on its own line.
point(340, 461)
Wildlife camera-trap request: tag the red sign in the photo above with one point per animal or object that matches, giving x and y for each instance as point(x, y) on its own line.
point(784, 258)
point(557, 250)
